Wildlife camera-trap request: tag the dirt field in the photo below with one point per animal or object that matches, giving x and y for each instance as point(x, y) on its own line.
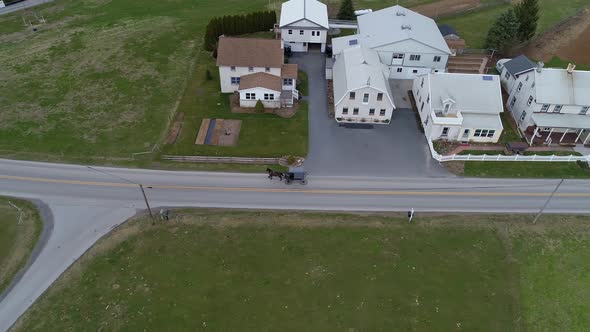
point(570, 41)
point(446, 7)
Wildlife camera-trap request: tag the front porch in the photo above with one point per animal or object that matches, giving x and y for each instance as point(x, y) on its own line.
point(557, 136)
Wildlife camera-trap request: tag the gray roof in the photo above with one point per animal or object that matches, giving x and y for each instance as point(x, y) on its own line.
point(558, 120)
point(472, 93)
point(558, 87)
point(395, 24)
point(519, 65)
point(359, 67)
point(481, 120)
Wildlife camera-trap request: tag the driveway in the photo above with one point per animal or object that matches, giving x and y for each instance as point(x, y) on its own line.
point(397, 149)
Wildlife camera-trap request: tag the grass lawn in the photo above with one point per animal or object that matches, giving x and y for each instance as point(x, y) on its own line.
point(509, 169)
point(302, 83)
point(101, 78)
point(259, 271)
point(474, 27)
point(508, 134)
point(261, 135)
point(17, 239)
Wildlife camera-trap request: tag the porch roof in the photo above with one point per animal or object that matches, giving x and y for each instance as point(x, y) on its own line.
point(559, 120)
point(481, 121)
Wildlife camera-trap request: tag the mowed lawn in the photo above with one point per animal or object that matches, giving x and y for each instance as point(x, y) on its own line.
point(101, 78)
point(261, 135)
point(517, 169)
point(18, 235)
point(260, 271)
point(474, 27)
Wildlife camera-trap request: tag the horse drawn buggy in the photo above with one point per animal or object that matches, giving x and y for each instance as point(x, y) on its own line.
point(295, 174)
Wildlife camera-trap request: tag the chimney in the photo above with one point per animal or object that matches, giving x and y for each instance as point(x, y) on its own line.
point(570, 68)
point(540, 66)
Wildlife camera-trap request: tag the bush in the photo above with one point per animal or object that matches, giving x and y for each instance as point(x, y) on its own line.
point(583, 164)
point(291, 160)
point(259, 106)
point(208, 75)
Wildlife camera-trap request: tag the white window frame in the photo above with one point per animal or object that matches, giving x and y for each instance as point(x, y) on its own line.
point(530, 101)
point(235, 80)
point(345, 110)
point(313, 33)
point(380, 96)
point(545, 108)
point(355, 111)
point(399, 70)
point(445, 132)
point(287, 81)
point(507, 75)
point(584, 110)
point(269, 96)
point(232, 68)
point(557, 108)
point(382, 112)
point(352, 95)
point(437, 58)
point(371, 111)
point(519, 87)
point(290, 32)
point(397, 56)
point(267, 69)
point(250, 69)
point(250, 95)
point(301, 32)
point(415, 57)
point(366, 98)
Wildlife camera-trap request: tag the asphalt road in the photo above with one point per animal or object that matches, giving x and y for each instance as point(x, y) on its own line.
point(85, 203)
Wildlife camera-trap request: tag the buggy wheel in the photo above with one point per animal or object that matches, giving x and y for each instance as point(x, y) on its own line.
point(287, 181)
point(303, 182)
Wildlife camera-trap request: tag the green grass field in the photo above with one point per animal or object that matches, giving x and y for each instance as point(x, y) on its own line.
point(474, 27)
point(17, 239)
point(253, 271)
point(517, 169)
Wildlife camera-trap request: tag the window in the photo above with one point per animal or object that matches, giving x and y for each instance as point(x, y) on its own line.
point(399, 70)
point(426, 122)
point(447, 108)
point(267, 69)
point(420, 99)
point(235, 80)
point(250, 69)
point(355, 111)
point(422, 84)
point(437, 58)
point(287, 81)
point(352, 95)
point(533, 85)
point(522, 116)
point(445, 132)
point(372, 111)
point(530, 101)
point(507, 75)
point(301, 32)
point(382, 112)
point(428, 99)
point(422, 107)
point(414, 57)
point(290, 32)
point(415, 71)
point(233, 68)
point(365, 98)
point(513, 101)
point(353, 42)
point(398, 55)
point(379, 96)
point(584, 110)
point(313, 33)
point(557, 108)
point(269, 96)
point(317, 33)
point(545, 108)
point(345, 110)
point(250, 95)
point(527, 78)
point(484, 133)
point(519, 87)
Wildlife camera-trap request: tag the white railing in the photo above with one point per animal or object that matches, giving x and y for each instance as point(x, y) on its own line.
point(499, 157)
point(296, 94)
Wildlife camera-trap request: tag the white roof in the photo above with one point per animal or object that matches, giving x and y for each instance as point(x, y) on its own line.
point(559, 120)
point(356, 68)
point(297, 10)
point(558, 87)
point(473, 93)
point(395, 24)
point(481, 120)
point(341, 43)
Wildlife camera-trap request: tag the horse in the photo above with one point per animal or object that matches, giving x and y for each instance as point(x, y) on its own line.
point(272, 174)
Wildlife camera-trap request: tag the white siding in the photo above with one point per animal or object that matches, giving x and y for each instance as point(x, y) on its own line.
point(364, 108)
point(276, 103)
point(225, 75)
point(297, 40)
point(426, 64)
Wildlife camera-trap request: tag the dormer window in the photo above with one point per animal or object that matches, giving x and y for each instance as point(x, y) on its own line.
point(447, 108)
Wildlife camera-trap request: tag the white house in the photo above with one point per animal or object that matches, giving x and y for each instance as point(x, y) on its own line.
point(511, 69)
point(242, 60)
point(304, 25)
point(459, 107)
point(361, 89)
point(410, 44)
point(551, 105)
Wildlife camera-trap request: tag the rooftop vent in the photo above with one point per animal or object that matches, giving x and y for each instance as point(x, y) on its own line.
point(570, 68)
point(540, 66)
point(400, 13)
point(406, 27)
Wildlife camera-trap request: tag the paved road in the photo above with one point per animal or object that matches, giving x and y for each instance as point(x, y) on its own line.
point(86, 203)
point(398, 149)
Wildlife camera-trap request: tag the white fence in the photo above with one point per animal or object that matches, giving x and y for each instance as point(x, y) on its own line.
point(499, 157)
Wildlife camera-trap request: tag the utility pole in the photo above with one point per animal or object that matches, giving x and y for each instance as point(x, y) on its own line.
point(146, 201)
point(547, 202)
point(410, 215)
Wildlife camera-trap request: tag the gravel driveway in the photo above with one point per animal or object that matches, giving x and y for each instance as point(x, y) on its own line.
point(397, 149)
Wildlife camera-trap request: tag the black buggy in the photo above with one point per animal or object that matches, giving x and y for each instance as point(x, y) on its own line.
point(295, 174)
